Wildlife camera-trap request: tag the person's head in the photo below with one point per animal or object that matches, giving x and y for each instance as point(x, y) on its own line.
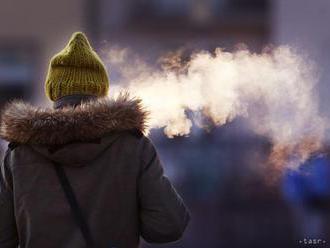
point(76, 74)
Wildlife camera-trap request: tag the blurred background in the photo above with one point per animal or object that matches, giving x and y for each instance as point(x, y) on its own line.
point(220, 173)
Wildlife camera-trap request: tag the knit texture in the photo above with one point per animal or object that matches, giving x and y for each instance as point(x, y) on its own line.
point(76, 70)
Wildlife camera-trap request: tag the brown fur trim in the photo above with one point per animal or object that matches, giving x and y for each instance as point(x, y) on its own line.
point(23, 123)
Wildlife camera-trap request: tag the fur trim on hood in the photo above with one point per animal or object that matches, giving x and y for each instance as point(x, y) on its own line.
point(22, 123)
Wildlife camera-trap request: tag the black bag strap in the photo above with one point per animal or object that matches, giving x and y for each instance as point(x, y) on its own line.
point(74, 206)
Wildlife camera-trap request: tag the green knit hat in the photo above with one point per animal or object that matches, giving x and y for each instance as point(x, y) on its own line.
point(76, 70)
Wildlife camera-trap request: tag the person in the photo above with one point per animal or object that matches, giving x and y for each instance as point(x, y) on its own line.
point(82, 174)
point(307, 191)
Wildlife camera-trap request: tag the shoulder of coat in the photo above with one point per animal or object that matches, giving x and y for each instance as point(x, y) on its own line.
point(12, 146)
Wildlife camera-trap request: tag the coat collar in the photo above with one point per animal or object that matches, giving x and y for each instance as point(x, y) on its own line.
point(22, 123)
point(72, 100)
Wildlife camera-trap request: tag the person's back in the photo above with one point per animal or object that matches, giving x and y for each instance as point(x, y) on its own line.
point(113, 170)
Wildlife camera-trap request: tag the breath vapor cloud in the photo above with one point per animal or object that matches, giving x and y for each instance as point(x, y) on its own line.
point(273, 90)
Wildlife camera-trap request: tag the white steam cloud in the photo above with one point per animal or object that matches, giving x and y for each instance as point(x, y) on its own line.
point(274, 90)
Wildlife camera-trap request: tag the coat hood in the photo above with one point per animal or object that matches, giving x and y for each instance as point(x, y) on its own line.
point(25, 124)
point(76, 154)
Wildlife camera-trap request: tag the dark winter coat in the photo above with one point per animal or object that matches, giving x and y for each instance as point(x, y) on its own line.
point(113, 168)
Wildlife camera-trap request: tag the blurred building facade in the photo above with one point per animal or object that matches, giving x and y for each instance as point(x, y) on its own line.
point(303, 25)
point(30, 33)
